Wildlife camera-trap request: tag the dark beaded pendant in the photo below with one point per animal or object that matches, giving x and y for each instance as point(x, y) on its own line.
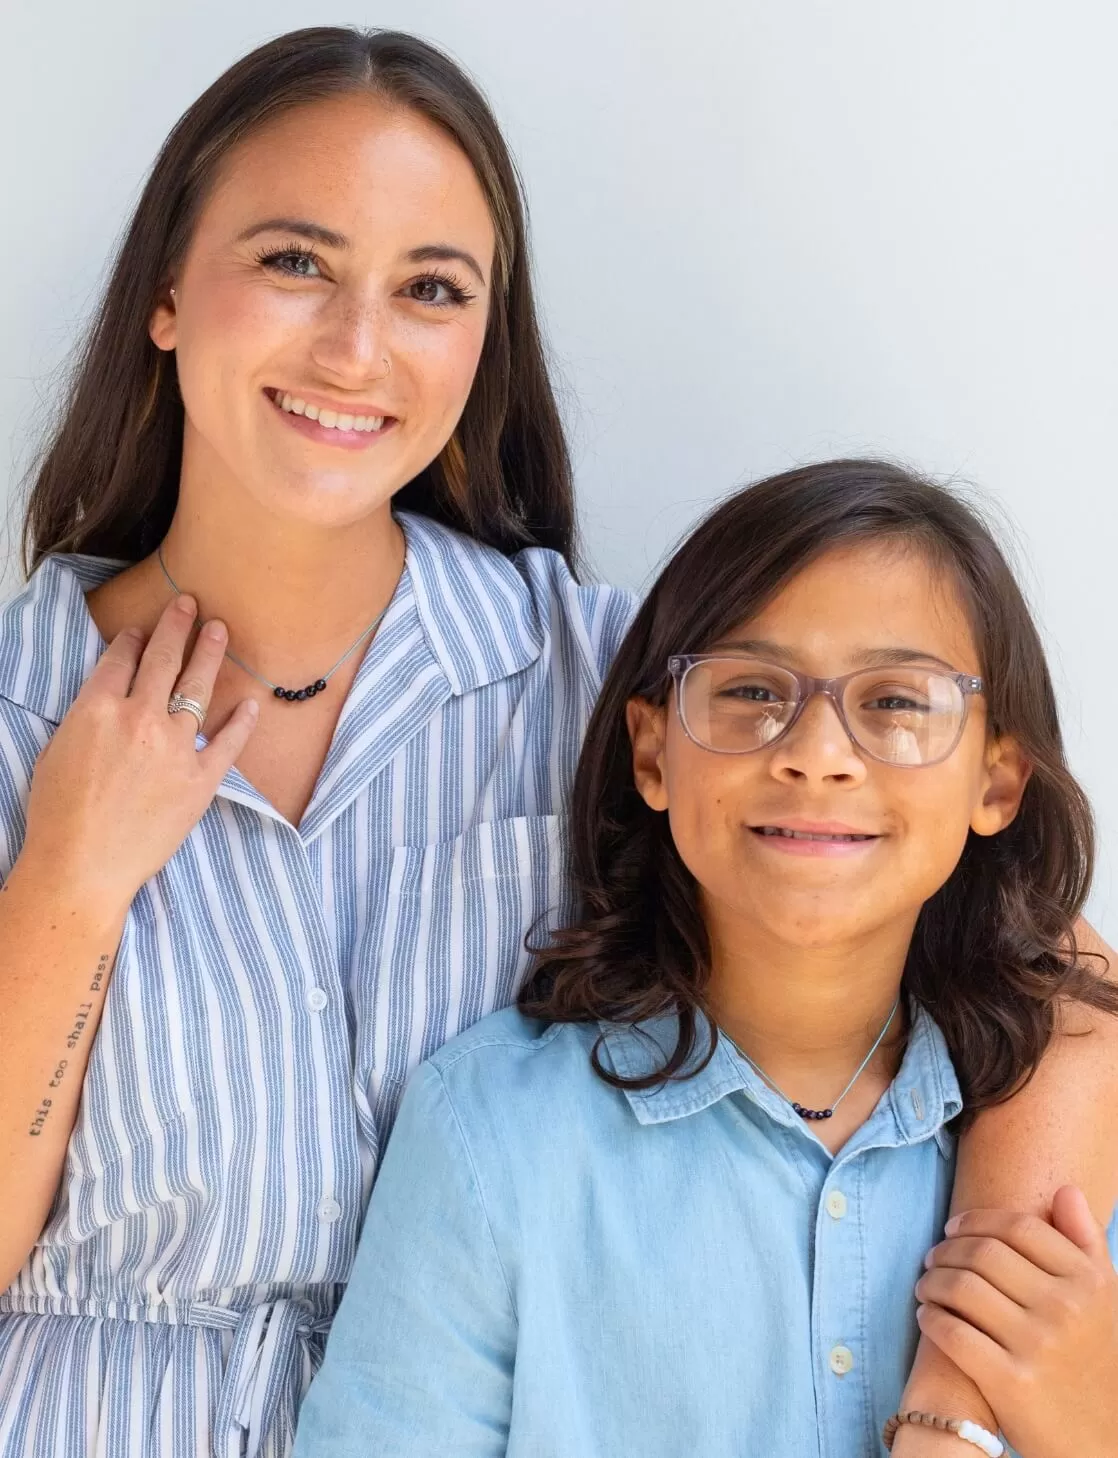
point(812, 1113)
point(296, 696)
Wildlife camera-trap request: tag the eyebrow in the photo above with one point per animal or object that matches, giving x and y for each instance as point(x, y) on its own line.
point(316, 233)
point(868, 658)
point(300, 227)
point(446, 253)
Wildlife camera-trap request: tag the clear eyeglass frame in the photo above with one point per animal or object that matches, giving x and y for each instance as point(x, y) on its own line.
point(833, 689)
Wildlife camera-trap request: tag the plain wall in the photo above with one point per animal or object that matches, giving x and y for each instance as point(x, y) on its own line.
point(765, 232)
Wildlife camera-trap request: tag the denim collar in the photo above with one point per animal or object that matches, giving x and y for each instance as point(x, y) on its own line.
point(922, 1099)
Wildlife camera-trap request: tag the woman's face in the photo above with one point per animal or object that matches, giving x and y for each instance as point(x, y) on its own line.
point(731, 814)
point(343, 259)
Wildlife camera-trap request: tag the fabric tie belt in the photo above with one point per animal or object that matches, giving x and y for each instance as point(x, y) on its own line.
point(271, 1361)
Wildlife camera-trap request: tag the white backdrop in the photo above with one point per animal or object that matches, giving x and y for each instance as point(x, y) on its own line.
point(765, 232)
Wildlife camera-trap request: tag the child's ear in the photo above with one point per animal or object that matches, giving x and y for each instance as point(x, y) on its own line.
point(646, 734)
point(1007, 774)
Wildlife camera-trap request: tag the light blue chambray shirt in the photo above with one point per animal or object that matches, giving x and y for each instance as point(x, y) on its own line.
point(552, 1268)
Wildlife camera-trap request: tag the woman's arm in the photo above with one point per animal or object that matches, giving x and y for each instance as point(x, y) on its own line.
point(420, 1358)
point(58, 957)
point(1030, 1309)
point(112, 796)
point(1061, 1129)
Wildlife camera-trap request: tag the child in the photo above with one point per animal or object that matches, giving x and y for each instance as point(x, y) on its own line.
point(828, 855)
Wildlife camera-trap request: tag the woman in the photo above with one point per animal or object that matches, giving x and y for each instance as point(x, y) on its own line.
point(269, 926)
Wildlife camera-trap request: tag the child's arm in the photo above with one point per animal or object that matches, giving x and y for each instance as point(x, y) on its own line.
point(420, 1358)
point(1062, 1128)
point(1031, 1310)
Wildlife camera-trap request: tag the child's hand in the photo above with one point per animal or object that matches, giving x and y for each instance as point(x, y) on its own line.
point(1029, 1311)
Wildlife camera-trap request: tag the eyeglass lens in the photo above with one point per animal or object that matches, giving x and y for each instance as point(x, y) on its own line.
point(902, 715)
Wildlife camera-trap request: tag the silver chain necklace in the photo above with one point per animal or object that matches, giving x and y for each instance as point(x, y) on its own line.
point(820, 1113)
point(290, 695)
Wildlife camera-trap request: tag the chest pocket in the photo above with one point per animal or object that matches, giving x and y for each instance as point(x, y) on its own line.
point(450, 938)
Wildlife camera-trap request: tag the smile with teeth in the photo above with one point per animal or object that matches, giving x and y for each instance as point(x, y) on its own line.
point(328, 419)
point(806, 834)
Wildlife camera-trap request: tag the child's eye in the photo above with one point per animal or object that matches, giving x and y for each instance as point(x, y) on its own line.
point(896, 704)
point(751, 693)
point(292, 262)
point(438, 290)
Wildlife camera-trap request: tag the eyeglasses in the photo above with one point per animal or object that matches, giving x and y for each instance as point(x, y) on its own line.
point(900, 715)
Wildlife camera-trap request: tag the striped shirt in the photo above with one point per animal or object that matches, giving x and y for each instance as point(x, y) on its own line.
point(273, 990)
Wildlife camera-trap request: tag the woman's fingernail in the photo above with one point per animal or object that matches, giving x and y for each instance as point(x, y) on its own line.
point(952, 1226)
point(186, 604)
point(919, 1312)
point(214, 630)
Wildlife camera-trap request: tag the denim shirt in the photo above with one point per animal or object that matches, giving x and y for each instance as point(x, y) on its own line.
point(553, 1268)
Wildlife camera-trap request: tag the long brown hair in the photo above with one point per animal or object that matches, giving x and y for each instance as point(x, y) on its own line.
point(107, 480)
point(992, 951)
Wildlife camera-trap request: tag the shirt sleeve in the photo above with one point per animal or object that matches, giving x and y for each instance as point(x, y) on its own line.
point(23, 737)
point(420, 1358)
point(607, 613)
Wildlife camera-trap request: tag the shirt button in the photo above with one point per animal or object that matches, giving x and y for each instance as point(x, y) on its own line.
point(316, 999)
point(836, 1204)
point(841, 1360)
point(328, 1209)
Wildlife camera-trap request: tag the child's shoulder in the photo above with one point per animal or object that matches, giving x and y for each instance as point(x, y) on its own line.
point(507, 1041)
point(511, 1080)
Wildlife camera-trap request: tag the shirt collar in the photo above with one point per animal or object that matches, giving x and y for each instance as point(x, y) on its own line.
point(49, 644)
point(475, 609)
point(923, 1098)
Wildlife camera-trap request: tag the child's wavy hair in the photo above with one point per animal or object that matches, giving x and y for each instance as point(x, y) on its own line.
point(992, 951)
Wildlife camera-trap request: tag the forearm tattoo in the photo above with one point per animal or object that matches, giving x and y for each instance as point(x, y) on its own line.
point(81, 1018)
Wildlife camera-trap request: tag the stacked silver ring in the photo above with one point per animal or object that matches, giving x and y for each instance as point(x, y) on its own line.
point(180, 704)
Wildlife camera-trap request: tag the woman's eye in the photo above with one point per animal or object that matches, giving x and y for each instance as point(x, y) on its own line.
point(441, 292)
point(293, 262)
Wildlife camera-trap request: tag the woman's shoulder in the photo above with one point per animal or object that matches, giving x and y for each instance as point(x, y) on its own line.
point(48, 640)
point(531, 599)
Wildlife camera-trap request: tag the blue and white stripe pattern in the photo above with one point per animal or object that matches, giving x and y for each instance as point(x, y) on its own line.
point(274, 988)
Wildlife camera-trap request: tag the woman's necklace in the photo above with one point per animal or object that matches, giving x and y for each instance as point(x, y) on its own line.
point(822, 1113)
point(291, 695)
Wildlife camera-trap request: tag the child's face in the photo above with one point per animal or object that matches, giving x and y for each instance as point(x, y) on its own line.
point(851, 602)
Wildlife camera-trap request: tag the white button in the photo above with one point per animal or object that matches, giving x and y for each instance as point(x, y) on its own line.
point(328, 1209)
point(836, 1204)
point(317, 999)
point(841, 1360)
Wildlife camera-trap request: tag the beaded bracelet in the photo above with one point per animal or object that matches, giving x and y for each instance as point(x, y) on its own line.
point(961, 1427)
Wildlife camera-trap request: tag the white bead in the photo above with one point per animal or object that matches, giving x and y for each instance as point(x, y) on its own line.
point(988, 1443)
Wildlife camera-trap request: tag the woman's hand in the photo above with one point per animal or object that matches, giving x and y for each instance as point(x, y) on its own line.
point(120, 785)
point(1029, 1311)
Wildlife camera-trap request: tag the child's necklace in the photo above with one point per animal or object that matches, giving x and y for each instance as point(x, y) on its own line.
point(821, 1113)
